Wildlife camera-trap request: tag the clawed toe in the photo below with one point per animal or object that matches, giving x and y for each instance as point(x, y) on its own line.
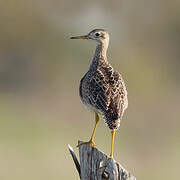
point(89, 142)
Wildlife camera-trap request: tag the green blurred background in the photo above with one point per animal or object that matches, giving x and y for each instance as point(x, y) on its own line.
point(40, 70)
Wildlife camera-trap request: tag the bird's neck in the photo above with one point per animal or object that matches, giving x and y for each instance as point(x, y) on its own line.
point(99, 56)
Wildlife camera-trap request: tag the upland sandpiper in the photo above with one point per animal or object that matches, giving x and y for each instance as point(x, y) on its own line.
point(102, 88)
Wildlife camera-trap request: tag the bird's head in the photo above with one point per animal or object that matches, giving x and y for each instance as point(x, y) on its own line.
point(101, 36)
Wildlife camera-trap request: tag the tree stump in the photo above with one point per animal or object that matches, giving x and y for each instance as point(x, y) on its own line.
point(95, 165)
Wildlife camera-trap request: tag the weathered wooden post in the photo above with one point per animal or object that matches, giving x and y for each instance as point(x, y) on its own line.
point(95, 165)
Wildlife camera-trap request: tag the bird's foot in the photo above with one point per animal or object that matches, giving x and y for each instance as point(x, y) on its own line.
point(91, 142)
point(111, 156)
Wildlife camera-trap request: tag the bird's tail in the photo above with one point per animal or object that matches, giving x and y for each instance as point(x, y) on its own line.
point(112, 120)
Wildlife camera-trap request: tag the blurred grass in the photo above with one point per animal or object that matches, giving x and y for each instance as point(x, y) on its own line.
point(39, 77)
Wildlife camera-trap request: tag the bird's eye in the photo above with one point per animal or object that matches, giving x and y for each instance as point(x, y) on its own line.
point(97, 34)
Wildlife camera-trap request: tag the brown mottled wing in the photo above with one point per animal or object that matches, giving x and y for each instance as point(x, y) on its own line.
point(99, 92)
point(107, 90)
point(108, 94)
point(119, 101)
point(118, 97)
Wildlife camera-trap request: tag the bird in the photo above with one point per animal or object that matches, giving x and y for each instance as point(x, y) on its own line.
point(102, 89)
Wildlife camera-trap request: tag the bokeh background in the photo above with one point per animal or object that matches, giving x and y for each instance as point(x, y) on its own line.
point(40, 70)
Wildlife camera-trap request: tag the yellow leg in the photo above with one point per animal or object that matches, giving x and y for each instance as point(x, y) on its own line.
point(91, 141)
point(112, 143)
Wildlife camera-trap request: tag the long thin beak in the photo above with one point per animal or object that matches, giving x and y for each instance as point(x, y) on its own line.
point(80, 37)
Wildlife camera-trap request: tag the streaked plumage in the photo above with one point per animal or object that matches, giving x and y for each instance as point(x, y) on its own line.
point(102, 88)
